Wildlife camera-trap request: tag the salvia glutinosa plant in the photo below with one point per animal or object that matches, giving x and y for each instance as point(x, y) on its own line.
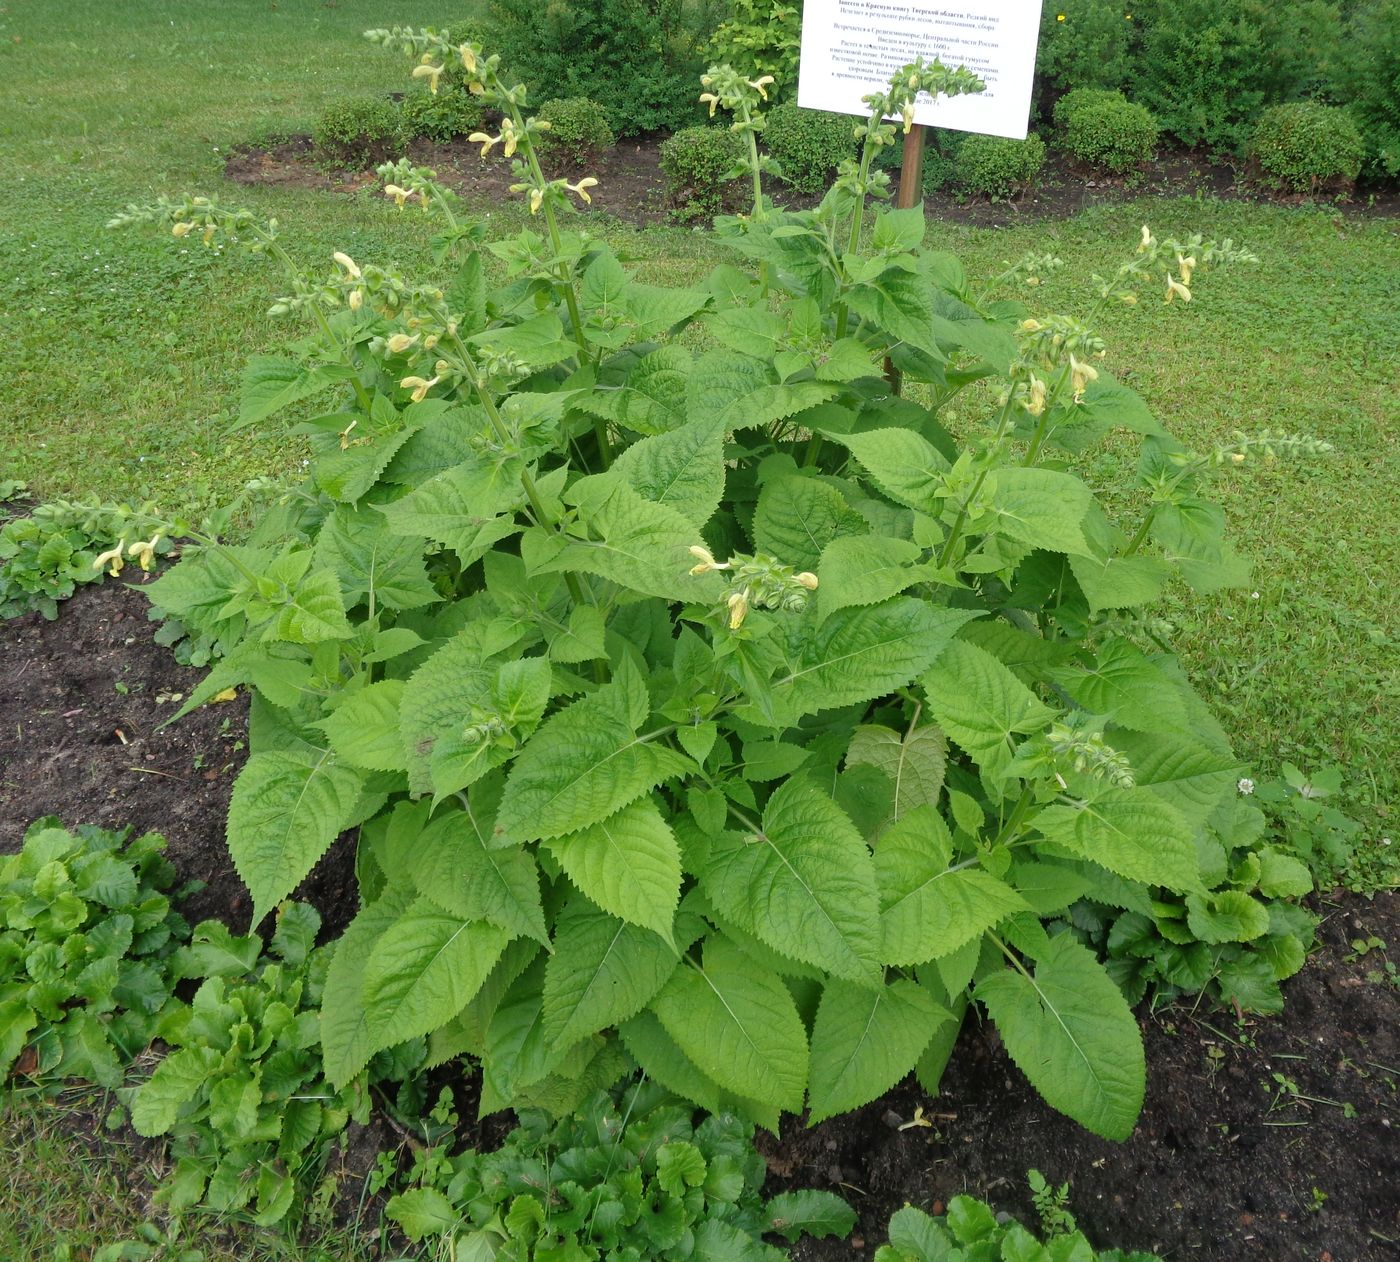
point(698, 700)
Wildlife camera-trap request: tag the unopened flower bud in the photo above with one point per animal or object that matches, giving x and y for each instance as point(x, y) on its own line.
point(738, 610)
point(399, 343)
point(181, 229)
point(807, 579)
point(1175, 289)
point(356, 299)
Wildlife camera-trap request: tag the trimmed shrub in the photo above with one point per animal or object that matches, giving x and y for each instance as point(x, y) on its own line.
point(697, 163)
point(358, 132)
point(640, 59)
point(998, 167)
point(808, 144)
point(1308, 147)
point(1105, 129)
point(1369, 80)
point(450, 113)
point(578, 130)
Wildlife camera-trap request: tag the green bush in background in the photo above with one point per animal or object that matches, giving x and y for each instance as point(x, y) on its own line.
point(1368, 81)
point(358, 132)
point(697, 163)
point(997, 167)
point(1105, 129)
point(1306, 147)
point(808, 144)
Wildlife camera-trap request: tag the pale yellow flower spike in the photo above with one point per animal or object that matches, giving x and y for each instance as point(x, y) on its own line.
point(510, 136)
point(485, 141)
point(430, 72)
point(1146, 242)
point(468, 58)
point(349, 264)
point(145, 551)
point(1187, 266)
point(536, 200)
point(400, 195)
point(710, 99)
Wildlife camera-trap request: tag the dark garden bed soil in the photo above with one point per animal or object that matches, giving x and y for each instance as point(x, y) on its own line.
point(631, 187)
point(1244, 1119)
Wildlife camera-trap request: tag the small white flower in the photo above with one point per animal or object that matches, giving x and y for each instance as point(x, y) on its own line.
point(1254, 595)
point(1246, 786)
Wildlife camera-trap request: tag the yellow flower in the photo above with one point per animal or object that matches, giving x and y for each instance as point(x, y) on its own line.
point(706, 559)
point(145, 552)
point(738, 609)
point(208, 234)
point(400, 342)
point(485, 141)
point(1035, 403)
point(1187, 265)
point(536, 200)
point(430, 72)
point(348, 264)
point(468, 58)
point(1059, 17)
point(510, 136)
point(582, 187)
point(400, 195)
point(181, 230)
point(1146, 242)
point(760, 85)
point(1175, 288)
point(1081, 375)
point(1031, 326)
point(710, 99)
point(807, 579)
point(420, 387)
point(112, 558)
point(357, 299)
point(908, 118)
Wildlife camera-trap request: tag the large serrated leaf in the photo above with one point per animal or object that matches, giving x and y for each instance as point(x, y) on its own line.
point(798, 517)
point(1131, 832)
point(1042, 508)
point(739, 1024)
point(603, 972)
point(462, 507)
point(804, 886)
point(364, 730)
point(915, 762)
point(929, 909)
point(372, 562)
point(176, 1081)
point(808, 1212)
point(864, 570)
point(859, 654)
point(651, 397)
point(425, 968)
point(903, 464)
point(1127, 687)
point(454, 865)
point(979, 703)
point(1073, 1035)
point(284, 813)
point(1187, 774)
point(271, 383)
point(864, 1041)
point(683, 469)
point(585, 763)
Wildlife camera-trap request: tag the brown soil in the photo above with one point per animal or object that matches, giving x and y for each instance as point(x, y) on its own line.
point(1223, 1164)
point(631, 187)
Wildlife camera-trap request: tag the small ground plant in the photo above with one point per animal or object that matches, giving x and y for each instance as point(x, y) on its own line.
point(630, 1174)
point(86, 929)
point(622, 651)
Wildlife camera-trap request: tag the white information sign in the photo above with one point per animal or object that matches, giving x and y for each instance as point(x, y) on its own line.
point(850, 48)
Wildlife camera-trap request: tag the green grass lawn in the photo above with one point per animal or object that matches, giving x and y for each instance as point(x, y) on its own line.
point(122, 351)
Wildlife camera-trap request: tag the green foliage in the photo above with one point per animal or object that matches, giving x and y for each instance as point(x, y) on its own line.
point(1308, 147)
point(639, 60)
point(357, 132)
point(240, 1091)
point(440, 116)
point(697, 163)
point(631, 643)
point(998, 168)
point(1085, 44)
point(1304, 820)
point(85, 932)
point(578, 130)
point(1106, 130)
point(760, 37)
point(630, 1174)
point(972, 1230)
point(808, 144)
point(45, 556)
point(1368, 78)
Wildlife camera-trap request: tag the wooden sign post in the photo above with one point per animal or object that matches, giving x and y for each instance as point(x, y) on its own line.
point(911, 171)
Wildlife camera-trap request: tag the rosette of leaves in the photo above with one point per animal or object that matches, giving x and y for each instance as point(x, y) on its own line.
point(86, 927)
point(971, 1231)
point(240, 1091)
point(766, 825)
point(1236, 940)
point(630, 1176)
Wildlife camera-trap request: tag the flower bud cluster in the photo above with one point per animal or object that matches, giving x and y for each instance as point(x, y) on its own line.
point(1077, 741)
point(1272, 444)
point(757, 582)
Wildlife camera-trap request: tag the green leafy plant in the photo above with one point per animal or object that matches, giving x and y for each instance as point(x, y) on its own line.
point(47, 554)
point(1085, 44)
point(1234, 941)
point(1304, 819)
point(1368, 78)
point(758, 38)
point(240, 1091)
point(86, 927)
point(698, 162)
point(578, 131)
point(358, 132)
point(1308, 147)
point(640, 60)
point(998, 168)
point(621, 649)
point(972, 1231)
point(1105, 130)
point(440, 116)
point(808, 144)
point(630, 1175)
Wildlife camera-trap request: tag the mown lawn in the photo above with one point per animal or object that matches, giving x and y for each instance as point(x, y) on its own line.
point(122, 351)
